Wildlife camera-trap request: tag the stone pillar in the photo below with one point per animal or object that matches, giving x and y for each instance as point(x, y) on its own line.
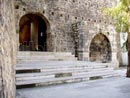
point(85, 56)
point(34, 34)
point(7, 49)
point(115, 62)
point(81, 46)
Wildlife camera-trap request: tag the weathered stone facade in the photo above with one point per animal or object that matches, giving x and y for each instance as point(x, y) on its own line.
point(7, 49)
point(61, 15)
point(71, 25)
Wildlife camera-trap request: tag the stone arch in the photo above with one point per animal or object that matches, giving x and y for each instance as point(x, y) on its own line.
point(34, 32)
point(100, 49)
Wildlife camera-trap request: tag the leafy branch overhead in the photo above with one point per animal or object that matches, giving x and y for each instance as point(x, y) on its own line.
point(121, 14)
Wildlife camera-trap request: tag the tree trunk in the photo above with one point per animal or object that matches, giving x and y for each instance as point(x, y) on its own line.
point(128, 67)
point(128, 48)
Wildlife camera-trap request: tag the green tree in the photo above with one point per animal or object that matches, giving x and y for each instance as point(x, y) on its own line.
point(121, 14)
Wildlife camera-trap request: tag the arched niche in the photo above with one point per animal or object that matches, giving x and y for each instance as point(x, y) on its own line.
point(100, 49)
point(33, 31)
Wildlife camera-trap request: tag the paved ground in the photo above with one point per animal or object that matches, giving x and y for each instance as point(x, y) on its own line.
point(118, 87)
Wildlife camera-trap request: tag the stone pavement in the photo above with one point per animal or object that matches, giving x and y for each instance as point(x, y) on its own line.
point(117, 87)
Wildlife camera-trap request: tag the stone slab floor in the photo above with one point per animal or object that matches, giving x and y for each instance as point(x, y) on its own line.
point(117, 87)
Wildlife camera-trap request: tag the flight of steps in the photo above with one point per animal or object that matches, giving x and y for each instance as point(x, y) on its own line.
point(45, 56)
point(38, 71)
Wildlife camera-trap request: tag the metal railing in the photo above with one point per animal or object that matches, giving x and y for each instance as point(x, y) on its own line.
point(31, 46)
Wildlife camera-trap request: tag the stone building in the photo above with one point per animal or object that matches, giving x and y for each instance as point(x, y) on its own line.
point(72, 26)
point(78, 27)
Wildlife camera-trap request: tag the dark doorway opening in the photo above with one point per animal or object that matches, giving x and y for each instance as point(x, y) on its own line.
point(42, 36)
point(33, 33)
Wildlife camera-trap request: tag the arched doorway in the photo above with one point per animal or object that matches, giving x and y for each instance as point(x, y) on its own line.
point(33, 33)
point(100, 49)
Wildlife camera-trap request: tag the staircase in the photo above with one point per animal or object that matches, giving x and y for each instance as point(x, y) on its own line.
point(46, 68)
point(45, 56)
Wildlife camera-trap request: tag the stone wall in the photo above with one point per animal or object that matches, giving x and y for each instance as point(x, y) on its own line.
point(61, 14)
point(7, 49)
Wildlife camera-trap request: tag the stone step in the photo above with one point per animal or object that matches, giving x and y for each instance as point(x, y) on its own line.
point(50, 72)
point(60, 64)
point(42, 55)
point(45, 56)
point(29, 76)
point(74, 69)
point(47, 59)
point(75, 78)
point(56, 68)
point(25, 53)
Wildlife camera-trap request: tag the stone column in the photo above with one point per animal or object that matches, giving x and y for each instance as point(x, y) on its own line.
point(115, 62)
point(81, 46)
point(34, 34)
point(8, 48)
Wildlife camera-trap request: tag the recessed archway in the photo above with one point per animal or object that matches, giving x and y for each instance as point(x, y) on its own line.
point(100, 49)
point(33, 33)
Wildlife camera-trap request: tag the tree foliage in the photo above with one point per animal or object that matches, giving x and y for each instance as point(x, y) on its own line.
point(120, 13)
point(125, 2)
